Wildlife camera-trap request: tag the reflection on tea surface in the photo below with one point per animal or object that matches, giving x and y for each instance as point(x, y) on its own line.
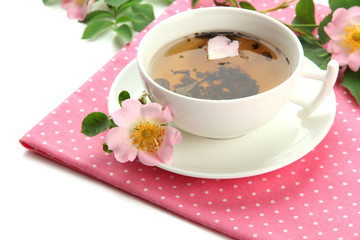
point(183, 67)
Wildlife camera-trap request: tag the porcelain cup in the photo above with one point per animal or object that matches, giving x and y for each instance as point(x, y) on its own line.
point(235, 117)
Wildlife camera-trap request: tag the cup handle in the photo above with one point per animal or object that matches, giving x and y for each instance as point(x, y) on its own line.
point(327, 77)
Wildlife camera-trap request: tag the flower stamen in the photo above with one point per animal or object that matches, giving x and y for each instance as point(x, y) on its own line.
point(351, 38)
point(147, 136)
point(80, 2)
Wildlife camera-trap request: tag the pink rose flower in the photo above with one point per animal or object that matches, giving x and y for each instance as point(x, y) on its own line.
point(222, 47)
point(344, 33)
point(142, 132)
point(77, 9)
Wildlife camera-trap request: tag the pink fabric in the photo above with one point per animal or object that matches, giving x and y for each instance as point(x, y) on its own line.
point(316, 197)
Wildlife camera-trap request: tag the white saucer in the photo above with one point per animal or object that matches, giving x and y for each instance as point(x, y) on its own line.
point(280, 142)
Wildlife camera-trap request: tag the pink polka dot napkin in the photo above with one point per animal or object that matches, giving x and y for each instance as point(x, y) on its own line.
point(316, 197)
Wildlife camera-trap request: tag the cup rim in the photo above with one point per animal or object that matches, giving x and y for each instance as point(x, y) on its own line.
point(294, 73)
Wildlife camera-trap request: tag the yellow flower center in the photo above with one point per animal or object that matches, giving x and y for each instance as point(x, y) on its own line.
point(147, 136)
point(80, 2)
point(351, 38)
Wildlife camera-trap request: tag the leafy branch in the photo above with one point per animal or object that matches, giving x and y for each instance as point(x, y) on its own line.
point(122, 16)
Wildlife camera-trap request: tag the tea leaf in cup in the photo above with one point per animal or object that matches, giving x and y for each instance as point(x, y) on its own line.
point(163, 82)
point(184, 90)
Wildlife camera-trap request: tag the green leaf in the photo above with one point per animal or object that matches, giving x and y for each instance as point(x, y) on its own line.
point(115, 3)
point(247, 5)
point(323, 37)
point(335, 4)
point(137, 17)
point(194, 2)
point(351, 81)
point(305, 14)
point(309, 40)
point(127, 5)
point(234, 3)
point(96, 27)
point(112, 123)
point(124, 31)
point(46, 1)
point(96, 15)
point(106, 148)
point(95, 123)
point(123, 96)
point(148, 15)
point(315, 53)
point(168, 2)
point(124, 18)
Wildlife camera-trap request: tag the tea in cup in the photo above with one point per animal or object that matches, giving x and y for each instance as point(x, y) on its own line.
point(225, 96)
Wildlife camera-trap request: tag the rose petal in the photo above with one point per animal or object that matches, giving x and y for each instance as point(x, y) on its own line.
point(340, 20)
point(118, 140)
point(153, 112)
point(149, 159)
point(129, 114)
point(339, 53)
point(65, 3)
point(355, 15)
point(165, 154)
point(341, 58)
point(75, 10)
point(222, 47)
point(172, 136)
point(354, 61)
point(336, 47)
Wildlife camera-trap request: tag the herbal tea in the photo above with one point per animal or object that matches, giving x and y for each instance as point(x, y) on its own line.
point(189, 67)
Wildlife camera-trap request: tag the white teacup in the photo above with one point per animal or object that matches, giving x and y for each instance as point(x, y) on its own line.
point(235, 117)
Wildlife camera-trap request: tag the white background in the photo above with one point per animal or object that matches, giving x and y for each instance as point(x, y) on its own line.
point(42, 61)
